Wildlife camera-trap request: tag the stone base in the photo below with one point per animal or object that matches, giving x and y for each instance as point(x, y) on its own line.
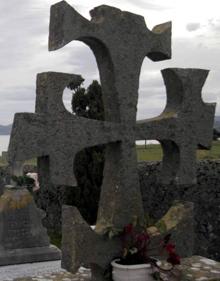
point(29, 255)
point(195, 268)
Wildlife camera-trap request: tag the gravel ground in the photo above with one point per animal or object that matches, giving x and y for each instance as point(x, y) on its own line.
point(195, 268)
point(37, 270)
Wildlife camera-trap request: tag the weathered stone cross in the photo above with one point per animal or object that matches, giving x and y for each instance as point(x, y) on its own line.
point(120, 42)
point(185, 124)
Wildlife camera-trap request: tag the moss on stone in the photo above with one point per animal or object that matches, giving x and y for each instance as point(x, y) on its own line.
point(171, 219)
point(12, 201)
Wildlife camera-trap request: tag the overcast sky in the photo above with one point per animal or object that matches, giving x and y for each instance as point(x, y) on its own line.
point(24, 50)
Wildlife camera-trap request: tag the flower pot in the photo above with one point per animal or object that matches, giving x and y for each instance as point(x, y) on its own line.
point(138, 272)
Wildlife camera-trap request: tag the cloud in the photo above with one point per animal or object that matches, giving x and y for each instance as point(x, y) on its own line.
point(18, 94)
point(214, 25)
point(24, 53)
point(150, 5)
point(193, 26)
point(8, 108)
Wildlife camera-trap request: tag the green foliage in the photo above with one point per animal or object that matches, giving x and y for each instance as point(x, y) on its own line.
point(23, 180)
point(55, 239)
point(216, 134)
point(88, 103)
point(89, 163)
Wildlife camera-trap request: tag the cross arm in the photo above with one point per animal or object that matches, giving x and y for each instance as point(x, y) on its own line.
point(49, 92)
point(185, 124)
point(160, 42)
point(28, 138)
point(36, 135)
point(114, 28)
point(157, 128)
point(195, 118)
point(63, 152)
point(205, 131)
point(185, 110)
point(66, 25)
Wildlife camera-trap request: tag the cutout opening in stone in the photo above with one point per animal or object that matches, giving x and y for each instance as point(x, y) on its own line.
point(149, 150)
point(85, 101)
point(67, 99)
point(88, 170)
point(152, 92)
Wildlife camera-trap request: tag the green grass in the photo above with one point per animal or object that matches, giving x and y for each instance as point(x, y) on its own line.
point(153, 152)
point(3, 162)
point(55, 239)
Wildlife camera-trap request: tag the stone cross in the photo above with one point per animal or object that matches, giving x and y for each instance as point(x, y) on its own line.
point(185, 124)
point(120, 42)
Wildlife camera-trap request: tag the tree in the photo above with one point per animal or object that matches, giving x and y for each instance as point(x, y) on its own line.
point(89, 163)
point(216, 134)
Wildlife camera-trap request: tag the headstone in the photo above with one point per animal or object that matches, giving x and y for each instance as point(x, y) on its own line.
point(120, 42)
point(179, 221)
point(22, 236)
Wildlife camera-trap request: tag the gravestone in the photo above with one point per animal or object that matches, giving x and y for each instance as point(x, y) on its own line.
point(22, 236)
point(120, 42)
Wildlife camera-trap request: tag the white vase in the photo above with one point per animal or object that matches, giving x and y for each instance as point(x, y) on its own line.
point(139, 272)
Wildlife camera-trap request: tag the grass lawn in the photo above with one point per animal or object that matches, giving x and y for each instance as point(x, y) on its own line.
point(154, 152)
point(3, 161)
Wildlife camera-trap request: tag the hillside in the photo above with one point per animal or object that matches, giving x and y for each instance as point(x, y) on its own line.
point(5, 129)
point(217, 123)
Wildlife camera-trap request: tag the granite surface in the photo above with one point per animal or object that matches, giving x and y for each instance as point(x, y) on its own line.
point(120, 41)
point(22, 235)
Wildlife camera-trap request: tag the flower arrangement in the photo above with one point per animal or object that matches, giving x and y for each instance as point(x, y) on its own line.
point(136, 249)
point(24, 181)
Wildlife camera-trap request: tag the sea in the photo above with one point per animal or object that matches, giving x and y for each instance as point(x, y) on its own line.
point(4, 142)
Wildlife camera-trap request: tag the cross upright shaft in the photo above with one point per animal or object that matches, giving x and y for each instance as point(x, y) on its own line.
point(120, 41)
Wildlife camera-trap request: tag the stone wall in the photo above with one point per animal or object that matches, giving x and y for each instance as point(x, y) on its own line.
point(205, 195)
point(157, 200)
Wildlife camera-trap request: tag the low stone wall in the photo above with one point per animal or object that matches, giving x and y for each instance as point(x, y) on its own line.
point(157, 199)
point(205, 195)
point(195, 268)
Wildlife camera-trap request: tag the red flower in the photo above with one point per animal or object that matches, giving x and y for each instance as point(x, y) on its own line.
point(170, 248)
point(141, 240)
point(128, 228)
point(166, 239)
point(142, 237)
point(174, 259)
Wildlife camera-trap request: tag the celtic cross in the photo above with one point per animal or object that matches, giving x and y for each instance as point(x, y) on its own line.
point(120, 41)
